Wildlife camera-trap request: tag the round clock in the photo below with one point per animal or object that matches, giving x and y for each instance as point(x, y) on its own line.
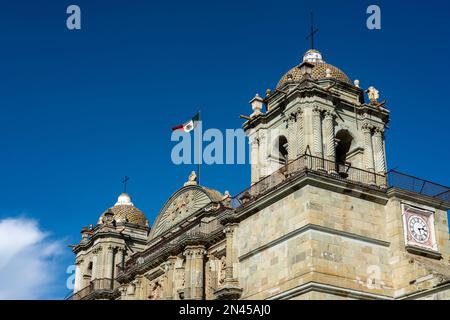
point(418, 228)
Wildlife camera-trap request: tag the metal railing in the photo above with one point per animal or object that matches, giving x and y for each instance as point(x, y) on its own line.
point(309, 163)
point(413, 184)
point(94, 286)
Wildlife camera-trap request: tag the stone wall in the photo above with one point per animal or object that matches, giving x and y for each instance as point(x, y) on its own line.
point(314, 235)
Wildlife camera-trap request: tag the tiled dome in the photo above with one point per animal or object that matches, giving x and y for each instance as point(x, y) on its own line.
point(125, 211)
point(320, 70)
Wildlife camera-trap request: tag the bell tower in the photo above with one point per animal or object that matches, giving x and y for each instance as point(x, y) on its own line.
point(316, 110)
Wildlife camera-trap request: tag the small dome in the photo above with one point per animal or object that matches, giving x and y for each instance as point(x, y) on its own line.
point(125, 211)
point(124, 199)
point(320, 70)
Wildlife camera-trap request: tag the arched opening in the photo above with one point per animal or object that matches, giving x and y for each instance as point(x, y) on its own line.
point(282, 150)
point(344, 142)
point(89, 270)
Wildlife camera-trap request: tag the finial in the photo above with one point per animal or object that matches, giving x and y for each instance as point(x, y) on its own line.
point(192, 180)
point(124, 199)
point(84, 234)
point(356, 83)
point(373, 95)
point(226, 198)
point(257, 104)
point(268, 92)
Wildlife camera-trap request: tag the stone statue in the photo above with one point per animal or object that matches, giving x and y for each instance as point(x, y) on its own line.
point(192, 180)
point(223, 265)
point(226, 198)
point(156, 293)
point(373, 94)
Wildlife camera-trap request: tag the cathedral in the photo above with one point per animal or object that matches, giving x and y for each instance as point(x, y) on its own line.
point(321, 218)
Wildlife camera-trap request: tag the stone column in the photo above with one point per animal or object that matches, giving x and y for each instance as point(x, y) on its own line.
point(119, 259)
point(96, 261)
point(317, 136)
point(379, 156)
point(187, 273)
point(368, 148)
point(78, 275)
point(194, 284)
point(170, 278)
point(109, 263)
point(368, 152)
point(262, 156)
point(378, 146)
point(100, 264)
point(229, 232)
point(198, 285)
point(292, 141)
point(254, 158)
point(330, 146)
point(300, 134)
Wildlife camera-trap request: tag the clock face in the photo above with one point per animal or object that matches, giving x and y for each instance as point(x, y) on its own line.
point(418, 228)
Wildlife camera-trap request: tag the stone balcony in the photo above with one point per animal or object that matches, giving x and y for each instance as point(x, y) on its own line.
point(307, 164)
point(97, 289)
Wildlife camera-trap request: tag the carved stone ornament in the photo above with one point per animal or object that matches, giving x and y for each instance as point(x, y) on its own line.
point(180, 207)
point(373, 94)
point(156, 291)
point(192, 180)
point(223, 265)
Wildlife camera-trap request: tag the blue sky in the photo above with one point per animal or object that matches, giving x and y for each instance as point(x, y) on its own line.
point(82, 109)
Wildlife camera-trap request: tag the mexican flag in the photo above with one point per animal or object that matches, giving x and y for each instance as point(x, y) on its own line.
point(189, 125)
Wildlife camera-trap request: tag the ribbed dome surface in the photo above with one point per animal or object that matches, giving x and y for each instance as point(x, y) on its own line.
point(125, 211)
point(321, 70)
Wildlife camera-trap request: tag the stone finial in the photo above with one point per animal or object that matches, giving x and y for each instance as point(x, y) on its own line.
point(226, 198)
point(328, 73)
point(373, 95)
point(356, 83)
point(257, 104)
point(192, 180)
point(268, 92)
point(84, 234)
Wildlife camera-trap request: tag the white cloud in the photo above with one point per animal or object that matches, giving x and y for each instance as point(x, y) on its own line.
point(28, 260)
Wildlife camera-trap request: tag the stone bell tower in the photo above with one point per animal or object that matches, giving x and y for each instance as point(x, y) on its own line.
point(316, 110)
point(120, 231)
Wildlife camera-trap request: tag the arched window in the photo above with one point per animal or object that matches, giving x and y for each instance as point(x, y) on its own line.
point(344, 142)
point(282, 149)
point(89, 270)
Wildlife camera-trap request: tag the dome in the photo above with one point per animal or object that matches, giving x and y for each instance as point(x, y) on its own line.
point(320, 70)
point(124, 199)
point(125, 211)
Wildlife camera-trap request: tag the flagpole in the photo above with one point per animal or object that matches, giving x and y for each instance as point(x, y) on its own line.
point(199, 146)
